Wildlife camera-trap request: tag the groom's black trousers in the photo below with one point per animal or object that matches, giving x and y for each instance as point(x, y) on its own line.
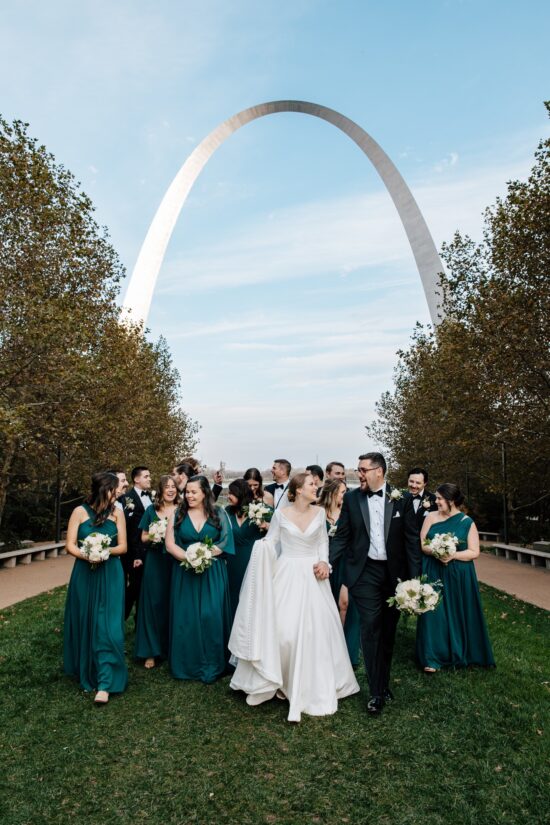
point(378, 622)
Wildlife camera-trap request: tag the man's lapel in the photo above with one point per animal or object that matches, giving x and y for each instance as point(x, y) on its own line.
point(137, 498)
point(364, 507)
point(388, 513)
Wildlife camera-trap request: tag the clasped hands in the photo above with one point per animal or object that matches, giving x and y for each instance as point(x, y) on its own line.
point(321, 570)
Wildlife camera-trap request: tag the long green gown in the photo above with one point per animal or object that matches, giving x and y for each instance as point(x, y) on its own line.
point(352, 627)
point(455, 634)
point(154, 599)
point(93, 640)
point(244, 536)
point(200, 609)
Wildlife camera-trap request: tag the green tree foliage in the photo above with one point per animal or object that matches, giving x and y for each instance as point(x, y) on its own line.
point(482, 377)
point(72, 376)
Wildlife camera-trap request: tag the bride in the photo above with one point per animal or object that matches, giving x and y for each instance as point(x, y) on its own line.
point(287, 635)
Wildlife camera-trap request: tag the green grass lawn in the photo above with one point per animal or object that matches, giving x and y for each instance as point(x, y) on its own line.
point(458, 747)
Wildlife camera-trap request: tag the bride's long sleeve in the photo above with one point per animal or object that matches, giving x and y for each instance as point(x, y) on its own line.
point(323, 543)
point(274, 532)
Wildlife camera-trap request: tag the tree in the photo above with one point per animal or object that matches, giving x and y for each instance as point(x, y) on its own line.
point(70, 372)
point(481, 379)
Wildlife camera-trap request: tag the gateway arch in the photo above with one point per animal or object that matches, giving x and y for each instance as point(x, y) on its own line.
point(141, 286)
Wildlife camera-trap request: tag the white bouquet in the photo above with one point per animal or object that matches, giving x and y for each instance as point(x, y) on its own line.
point(199, 556)
point(416, 596)
point(443, 545)
point(96, 548)
point(258, 513)
point(157, 531)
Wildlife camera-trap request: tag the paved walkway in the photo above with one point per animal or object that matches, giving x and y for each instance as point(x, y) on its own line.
point(530, 584)
point(26, 580)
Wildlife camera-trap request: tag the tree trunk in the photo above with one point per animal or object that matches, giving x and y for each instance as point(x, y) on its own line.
point(5, 468)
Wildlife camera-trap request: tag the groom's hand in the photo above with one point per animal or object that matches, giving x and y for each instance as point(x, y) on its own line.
point(321, 570)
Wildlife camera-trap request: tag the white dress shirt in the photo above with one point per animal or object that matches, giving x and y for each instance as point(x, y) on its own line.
point(146, 500)
point(278, 495)
point(418, 501)
point(377, 505)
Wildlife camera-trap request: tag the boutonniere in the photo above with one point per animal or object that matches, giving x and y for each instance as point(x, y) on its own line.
point(426, 503)
point(129, 503)
point(395, 495)
point(332, 530)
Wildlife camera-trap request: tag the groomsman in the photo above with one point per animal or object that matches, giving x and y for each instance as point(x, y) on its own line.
point(317, 474)
point(281, 477)
point(335, 470)
point(122, 486)
point(378, 538)
point(135, 502)
point(423, 500)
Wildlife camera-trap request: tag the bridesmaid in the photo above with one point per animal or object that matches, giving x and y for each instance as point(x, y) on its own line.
point(331, 498)
point(256, 483)
point(152, 621)
point(200, 610)
point(455, 634)
point(245, 533)
point(93, 643)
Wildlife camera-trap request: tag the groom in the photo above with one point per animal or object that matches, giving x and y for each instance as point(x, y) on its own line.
point(378, 538)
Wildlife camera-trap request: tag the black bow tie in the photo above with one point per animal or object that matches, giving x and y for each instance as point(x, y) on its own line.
point(375, 493)
point(144, 493)
point(417, 497)
point(279, 486)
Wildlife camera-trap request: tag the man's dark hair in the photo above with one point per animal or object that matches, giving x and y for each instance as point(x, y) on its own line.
point(331, 464)
point(115, 470)
point(285, 463)
point(315, 470)
point(137, 471)
point(375, 458)
point(186, 468)
point(419, 471)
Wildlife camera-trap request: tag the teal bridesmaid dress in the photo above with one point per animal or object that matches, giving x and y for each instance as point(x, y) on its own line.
point(352, 627)
point(200, 609)
point(454, 635)
point(93, 639)
point(154, 599)
point(244, 536)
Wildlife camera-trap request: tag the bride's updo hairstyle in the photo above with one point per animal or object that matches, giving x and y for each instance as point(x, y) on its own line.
point(296, 483)
point(451, 493)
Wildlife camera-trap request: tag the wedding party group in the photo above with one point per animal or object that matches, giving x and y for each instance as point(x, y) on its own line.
point(281, 589)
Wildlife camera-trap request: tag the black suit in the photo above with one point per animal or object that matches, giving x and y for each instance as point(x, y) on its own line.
point(216, 490)
point(422, 511)
point(136, 548)
point(372, 582)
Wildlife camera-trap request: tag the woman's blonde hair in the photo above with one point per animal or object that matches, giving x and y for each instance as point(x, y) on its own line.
point(296, 483)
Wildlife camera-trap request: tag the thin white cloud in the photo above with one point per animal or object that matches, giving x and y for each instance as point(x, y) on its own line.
point(340, 236)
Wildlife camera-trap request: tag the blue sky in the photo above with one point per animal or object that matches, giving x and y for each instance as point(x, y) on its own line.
point(288, 285)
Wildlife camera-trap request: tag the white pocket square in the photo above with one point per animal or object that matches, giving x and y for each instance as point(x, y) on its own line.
point(397, 514)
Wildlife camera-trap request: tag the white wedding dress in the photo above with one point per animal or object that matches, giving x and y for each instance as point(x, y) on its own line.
point(287, 635)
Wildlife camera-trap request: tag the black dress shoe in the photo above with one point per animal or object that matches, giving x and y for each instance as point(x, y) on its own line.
point(375, 705)
point(388, 695)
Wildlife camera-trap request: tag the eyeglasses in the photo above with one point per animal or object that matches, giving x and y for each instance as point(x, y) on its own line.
point(363, 470)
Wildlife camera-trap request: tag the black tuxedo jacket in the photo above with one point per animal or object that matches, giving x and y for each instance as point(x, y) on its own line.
point(352, 539)
point(422, 511)
point(216, 490)
point(132, 515)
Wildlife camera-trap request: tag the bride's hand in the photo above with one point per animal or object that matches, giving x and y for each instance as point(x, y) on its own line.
point(321, 570)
